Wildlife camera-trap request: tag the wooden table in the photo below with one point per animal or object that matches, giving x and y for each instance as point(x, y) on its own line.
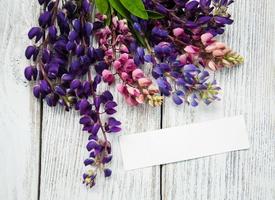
point(42, 149)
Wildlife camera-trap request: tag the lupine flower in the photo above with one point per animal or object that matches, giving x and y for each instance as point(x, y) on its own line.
point(108, 76)
point(181, 48)
point(135, 85)
point(59, 81)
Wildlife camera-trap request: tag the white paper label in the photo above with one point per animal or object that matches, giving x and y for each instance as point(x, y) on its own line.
point(183, 142)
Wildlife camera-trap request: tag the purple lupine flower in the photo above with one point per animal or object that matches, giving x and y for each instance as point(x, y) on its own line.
point(52, 32)
point(30, 51)
point(45, 19)
point(36, 91)
point(89, 161)
point(191, 5)
point(223, 20)
point(164, 86)
point(30, 73)
point(107, 172)
point(35, 32)
point(156, 31)
point(177, 58)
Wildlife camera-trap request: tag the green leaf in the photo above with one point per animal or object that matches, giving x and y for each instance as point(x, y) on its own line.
point(102, 6)
point(154, 15)
point(136, 7)
point(120, 9)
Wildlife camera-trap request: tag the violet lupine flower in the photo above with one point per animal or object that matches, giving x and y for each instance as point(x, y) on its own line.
point(186, 82)
point(68, 32)
point(195, 17)
point(180, 44)
point(183, 46)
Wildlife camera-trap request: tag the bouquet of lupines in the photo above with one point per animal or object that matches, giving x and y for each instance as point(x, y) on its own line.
point(80, 44)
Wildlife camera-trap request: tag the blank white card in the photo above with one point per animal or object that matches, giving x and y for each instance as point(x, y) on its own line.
point(183, 142)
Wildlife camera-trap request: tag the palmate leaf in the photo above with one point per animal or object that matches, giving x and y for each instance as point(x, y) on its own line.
point(135, 7)
point(102, 6)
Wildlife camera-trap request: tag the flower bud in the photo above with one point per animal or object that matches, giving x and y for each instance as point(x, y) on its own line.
point(144, 82)
point(130, 65)
point(36, 91)
point(52, 32)
point(35, 32)
point(191, 49)
point(122, 89)
point(89, 161)
point(60, 90)
point(44, 19)
point(183, 59)
point(123, 57)
point(212, 66)
point(137, 74)
point(88, 27)
point(206, 38)
point(107, 172)
point(117, 65)
point(123, 49)
point(178, 31)
point(29, 72)
point(218, 53)
point(30, 51)
point(108, 77)
point(124, 76)
point(131, 101)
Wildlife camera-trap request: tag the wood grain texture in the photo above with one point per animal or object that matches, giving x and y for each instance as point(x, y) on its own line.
point(20, 112)
point(63, 152)
point(248, 90)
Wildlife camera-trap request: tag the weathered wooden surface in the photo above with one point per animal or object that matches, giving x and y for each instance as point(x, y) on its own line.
point(56, 174)
point(19, 111)
point(248, 90)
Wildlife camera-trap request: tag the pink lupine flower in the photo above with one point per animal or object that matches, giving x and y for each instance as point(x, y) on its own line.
point(117, 65)
point(123, 49)
point(129, 65)
point(144, 82)
point(220, 45)
point(183, 59)
point(131, 101)
point(115, 21)
point(212, 66)
point(122, 25)
point(178, 31)
point(140, 99)
point(137, 74)
point(210, 48)
point(207, 39)
point(123, 57)
point(125, 77)
point(215, 46)
point(133, 91)
point(192, 49)
point(108, 77)
point(153, 90)
point(122, 89)
point(109, 54)
point(218, 53)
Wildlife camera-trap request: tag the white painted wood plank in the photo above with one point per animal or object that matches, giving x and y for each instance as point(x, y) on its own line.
point(249, 90)
point(20, 112)
point(63, 151)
